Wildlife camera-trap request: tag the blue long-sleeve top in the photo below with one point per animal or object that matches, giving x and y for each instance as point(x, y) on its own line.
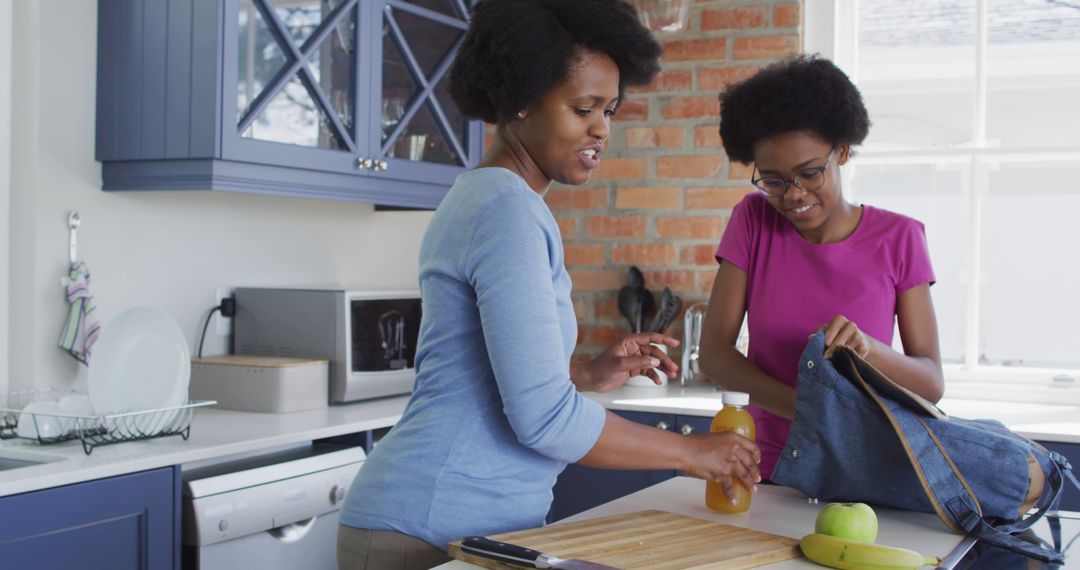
point(494, 417)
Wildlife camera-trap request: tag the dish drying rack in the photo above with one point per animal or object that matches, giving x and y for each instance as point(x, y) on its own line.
point(95, 430)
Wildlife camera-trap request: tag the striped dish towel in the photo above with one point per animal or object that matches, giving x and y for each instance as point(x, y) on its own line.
point(81, 329)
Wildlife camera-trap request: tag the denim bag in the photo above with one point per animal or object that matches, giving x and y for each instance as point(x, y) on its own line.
point(858, 436)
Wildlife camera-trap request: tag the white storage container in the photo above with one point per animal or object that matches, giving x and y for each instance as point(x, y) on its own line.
point(261, 383)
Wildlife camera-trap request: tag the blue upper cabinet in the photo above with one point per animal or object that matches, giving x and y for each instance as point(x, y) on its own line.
point(338, 99)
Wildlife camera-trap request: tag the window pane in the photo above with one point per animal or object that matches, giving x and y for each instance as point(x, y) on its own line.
point(916, 71)
point(422, 139)
point(260, 58)
point(441, 6)
point(300, 17)
point(934, 195)
point(458, 123)
point(1030, 275)
point(292, 117)
point(1033, 73)
point(398, 86)
point(429, 40)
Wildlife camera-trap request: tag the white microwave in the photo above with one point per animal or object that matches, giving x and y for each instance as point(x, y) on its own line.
point(368, 336)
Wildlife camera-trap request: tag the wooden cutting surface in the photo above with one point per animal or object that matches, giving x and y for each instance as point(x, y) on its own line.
point(656, 540)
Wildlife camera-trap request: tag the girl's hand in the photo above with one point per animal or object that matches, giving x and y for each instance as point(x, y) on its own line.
point(842, 332)
point(632, 355)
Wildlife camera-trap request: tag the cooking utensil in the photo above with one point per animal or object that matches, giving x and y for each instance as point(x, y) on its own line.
point(647, 304)
point(635, 278)
point(671, 313)
point(514, 554)
point(648, 540)
point(670, 305)
point(630, 301)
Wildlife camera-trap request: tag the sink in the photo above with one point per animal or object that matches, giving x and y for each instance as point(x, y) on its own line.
point(17, 458)
point(6, 463)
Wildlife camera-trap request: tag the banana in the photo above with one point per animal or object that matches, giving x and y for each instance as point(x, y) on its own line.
point(844, 554)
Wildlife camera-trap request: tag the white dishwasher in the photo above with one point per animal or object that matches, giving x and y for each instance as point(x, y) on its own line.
point(274, 510)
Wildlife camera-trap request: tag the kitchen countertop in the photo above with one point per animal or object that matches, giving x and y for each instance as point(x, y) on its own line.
point(777, 510)
point(785, 511)
point(1043, 422)
point(217, 433)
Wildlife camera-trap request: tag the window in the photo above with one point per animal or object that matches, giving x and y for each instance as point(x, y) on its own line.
point(975, 107)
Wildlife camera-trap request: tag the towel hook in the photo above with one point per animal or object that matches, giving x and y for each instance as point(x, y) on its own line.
point(73, 225)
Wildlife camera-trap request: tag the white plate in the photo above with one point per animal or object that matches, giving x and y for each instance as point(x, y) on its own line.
point(140, 362)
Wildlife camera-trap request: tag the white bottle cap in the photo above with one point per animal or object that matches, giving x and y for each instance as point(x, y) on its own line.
point(735, 398)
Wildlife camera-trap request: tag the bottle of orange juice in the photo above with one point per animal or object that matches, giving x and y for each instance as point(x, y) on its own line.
point(732, 417)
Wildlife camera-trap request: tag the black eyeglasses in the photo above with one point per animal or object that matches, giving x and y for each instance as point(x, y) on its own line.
point(810, 179)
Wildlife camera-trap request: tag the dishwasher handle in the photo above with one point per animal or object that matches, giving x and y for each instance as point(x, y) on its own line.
point(293, 532)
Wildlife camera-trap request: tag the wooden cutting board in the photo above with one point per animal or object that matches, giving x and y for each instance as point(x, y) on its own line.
point(657, 540)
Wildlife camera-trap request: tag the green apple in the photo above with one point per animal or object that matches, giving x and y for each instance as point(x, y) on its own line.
point(853, 521)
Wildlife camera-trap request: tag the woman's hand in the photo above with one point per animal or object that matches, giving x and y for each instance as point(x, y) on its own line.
point(842, 332)
point(725, 458)
point(632, 355)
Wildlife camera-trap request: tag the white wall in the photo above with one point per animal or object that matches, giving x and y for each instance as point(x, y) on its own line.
point(170, 250)
point(5, 182)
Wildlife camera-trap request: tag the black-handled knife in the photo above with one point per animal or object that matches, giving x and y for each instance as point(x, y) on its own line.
point(514, 554)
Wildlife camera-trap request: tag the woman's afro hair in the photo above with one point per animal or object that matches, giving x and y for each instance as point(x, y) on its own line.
point(804, 93)
point(515, 51)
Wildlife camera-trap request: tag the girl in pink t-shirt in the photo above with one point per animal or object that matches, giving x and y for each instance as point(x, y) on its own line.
point(797, 257)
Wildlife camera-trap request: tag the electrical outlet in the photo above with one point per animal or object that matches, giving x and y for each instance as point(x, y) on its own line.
point(222, 325)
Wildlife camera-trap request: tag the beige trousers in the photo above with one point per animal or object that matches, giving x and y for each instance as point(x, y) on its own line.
point(362, 549)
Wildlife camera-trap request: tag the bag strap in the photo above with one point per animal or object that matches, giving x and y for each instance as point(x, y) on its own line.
point(1057, 465)
point(960, 510)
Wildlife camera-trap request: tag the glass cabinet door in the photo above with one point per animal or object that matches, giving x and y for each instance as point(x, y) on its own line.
point(420, 130)
point(296, 72)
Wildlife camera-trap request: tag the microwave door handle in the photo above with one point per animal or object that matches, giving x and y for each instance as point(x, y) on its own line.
point(387, 334)
point(401, 338)
point(383, 337)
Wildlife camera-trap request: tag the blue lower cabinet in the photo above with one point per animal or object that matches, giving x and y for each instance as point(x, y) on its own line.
point(688, 425)
point(580, 488)
point(1070, 495)
point(121, 523)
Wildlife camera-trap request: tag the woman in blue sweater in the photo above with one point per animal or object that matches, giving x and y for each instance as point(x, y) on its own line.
point(497, 411)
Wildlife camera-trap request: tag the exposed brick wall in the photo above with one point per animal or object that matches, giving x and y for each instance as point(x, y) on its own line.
point(664, 191)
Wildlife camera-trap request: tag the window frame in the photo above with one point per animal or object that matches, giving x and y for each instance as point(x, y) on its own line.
point(831, 30)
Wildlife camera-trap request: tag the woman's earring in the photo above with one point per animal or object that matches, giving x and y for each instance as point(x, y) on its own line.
point(521, 114)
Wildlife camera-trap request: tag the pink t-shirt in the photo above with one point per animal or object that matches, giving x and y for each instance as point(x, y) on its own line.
point(794, 286)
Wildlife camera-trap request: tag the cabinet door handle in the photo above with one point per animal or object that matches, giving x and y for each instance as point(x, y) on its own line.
point(687, 429)
point(380, 165)
point(662, 425)
point(364, 163)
